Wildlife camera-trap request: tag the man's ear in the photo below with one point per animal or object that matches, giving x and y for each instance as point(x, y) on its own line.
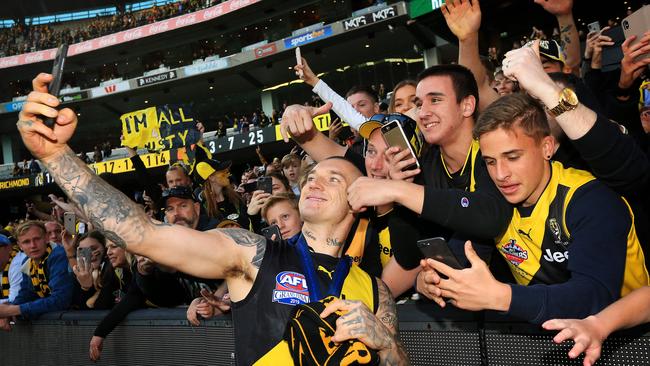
point(468, 105)
point(548, 147)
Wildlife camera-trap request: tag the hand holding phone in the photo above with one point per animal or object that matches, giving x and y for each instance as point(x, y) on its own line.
point(394, 136)
point(272, 233)
point(437, 248)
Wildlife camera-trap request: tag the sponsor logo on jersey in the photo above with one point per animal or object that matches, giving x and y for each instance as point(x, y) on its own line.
point(514, 253)
point(290, 288)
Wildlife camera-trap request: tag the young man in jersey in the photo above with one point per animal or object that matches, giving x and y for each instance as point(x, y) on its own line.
point(262, 279)
point(571, 244)
point(47, 285)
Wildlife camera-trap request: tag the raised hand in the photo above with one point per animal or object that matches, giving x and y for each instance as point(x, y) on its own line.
point(463, 17)
point(297, 121)
point(632, 65)
point(42, 141)
point(304, 72)
point(556, 7)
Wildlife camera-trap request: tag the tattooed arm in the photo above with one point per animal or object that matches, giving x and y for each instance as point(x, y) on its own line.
point(230, 254)
point(569, 40)
point(377, 331)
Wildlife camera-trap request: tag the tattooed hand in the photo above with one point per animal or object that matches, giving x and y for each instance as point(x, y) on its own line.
point(358, 322)
point(42, 141)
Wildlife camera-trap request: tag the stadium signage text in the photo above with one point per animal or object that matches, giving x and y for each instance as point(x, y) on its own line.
point(308, 37)
point(265, 50)
point(158, 78)
point(366, 19)
point(15, 183)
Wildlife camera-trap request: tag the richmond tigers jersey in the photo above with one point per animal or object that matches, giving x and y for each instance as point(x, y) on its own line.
point(537, 247)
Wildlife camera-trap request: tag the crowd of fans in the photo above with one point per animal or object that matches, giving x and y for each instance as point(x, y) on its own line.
point(535, 175)
point(24, 38)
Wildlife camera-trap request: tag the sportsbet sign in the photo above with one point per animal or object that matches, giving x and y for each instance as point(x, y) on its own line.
point(421, 7)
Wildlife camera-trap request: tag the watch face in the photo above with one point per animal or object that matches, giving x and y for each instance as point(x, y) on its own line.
point(570, 96)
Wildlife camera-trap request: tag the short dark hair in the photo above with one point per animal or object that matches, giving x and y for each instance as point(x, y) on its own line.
point(279, 176)
point(462, 80)
point(514, 109)
point(362, 89)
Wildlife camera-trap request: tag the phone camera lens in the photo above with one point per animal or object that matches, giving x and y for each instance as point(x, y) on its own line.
point(626, 24)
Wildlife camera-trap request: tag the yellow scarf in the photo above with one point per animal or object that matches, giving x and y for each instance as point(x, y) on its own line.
point(37, 274)
point(5, 273)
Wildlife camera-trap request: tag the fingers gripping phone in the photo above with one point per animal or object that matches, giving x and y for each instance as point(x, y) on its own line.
point(269, 231)
point(57, 74)
point(394, 135)
point(437, 248)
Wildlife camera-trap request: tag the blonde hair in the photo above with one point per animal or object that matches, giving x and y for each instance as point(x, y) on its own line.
point(280, 197)
point(23, 227)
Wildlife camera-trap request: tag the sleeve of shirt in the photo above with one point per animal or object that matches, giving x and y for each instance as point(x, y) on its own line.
point(15, 276)
point(484, 213)
point(615, 158)
point(598, 222)
point(404, 234)
point(339, 105)
point(61, 287)
point(133, 300)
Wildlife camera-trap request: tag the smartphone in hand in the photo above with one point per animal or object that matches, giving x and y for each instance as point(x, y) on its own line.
point(269, 232)
point(437, 248)
point(394, 136)
point(265, 184)
point(57, 73)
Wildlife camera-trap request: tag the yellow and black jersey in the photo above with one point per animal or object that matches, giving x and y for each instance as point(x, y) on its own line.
point(261, 317)
point(576, 226)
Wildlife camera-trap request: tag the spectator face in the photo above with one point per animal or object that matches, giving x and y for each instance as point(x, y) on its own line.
point(53, 232)
point(503, 85)
point(32, 242)
point(363, 104)
point(177, 177)
point(645, 120)
point(551, 66)
point(516, 163)
point(404, 99)
point(116, 255)
point(220, 178)
point(286, 217)
point(292, 172)
point(184, 212)
point(376, 162)
point(97, 250)
point(440, 116)
point(277, 186)
point(323, 198)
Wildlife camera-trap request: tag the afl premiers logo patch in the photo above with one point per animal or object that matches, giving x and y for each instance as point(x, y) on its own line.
point(514, 253)
point(290, 288)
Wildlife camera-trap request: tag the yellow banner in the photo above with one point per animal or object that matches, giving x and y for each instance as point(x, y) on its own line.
point(321, 122)
point(125, 165)
point(140, 128)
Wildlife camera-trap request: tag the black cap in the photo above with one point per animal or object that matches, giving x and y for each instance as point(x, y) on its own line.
point(178, 192)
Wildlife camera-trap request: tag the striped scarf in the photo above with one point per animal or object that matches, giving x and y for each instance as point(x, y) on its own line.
point(37, 274)
point(5, 274)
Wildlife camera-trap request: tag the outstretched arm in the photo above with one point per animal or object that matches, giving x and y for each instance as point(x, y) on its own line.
point(569, 40)
point(215, 254)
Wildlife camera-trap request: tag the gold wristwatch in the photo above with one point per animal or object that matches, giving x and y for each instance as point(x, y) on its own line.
point(568, 102)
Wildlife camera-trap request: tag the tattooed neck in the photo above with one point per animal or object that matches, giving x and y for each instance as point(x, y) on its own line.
point(309, 234)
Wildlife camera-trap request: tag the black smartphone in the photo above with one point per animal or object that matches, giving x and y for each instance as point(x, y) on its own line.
point(394, 136)
point(437, 248)
point(57, 74)
point(265, 184)
point(269, 232)
point(250, 187)
point(612, 55)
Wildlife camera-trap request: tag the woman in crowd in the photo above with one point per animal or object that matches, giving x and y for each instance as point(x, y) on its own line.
point(402, 99)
